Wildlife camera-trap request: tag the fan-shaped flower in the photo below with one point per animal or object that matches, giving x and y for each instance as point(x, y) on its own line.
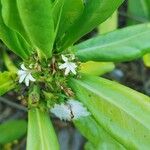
point(68, 65)
point(25, 75)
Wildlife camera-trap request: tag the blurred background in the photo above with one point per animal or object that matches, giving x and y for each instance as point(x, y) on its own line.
point(135, 74)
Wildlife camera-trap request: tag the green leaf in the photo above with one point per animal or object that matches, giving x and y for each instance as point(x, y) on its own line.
point(105, 145)
point(9, 63)
point(96, 68)
point(7, 82)
point(95, 12)
point(139, 12)
point(41, 135)
point(89, 146)
point(12, 19)
point(57, 8)
point(121, 45)
point(121, 111)
point(146, 59)
point(110, 24)
point(95, 134)
point(13, 40)
point(12, 130)
point(101, 146)
point(71, 11)
point(37, 20)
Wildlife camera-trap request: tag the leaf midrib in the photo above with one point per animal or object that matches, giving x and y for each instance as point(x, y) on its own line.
point(112, 43)
point(144, 5)
point(41, 135)
point(115, 104)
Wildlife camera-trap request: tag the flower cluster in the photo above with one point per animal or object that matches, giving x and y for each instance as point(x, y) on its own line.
point(70, 110)
point(69, 67)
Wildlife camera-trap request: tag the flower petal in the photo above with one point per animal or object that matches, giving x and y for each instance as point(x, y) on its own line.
point(61, 111)
point(23, 67)
point(72, 67)
point(21, 72)
point(31, 77)
point(73, 71)
point(27, 80)
point(67, 71)
point(64, 58)
point(22, 77)
point(71, 110)
point(78, 109)
point(63, 66)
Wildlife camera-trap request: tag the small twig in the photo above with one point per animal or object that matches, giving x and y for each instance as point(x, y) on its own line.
point(12, 104)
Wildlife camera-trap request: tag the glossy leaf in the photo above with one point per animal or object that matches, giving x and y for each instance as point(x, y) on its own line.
point(95, 12)
point(89, 146)
point(57, 8)
point(41, 135)
point(139, 12)
point(71, 10)
point(13, 40)
point(101, 146)
point(36, 17)
point(121, 45)
point(96, 135)
point(9, 63)
point(12, 19)
point(12, 130)
point(121, 111)
point(7, 82)
point(110, 24)
point(146, 60)
point(96, 68)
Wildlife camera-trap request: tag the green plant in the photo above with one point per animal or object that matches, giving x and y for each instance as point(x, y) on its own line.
point(12, 130)
point(43, 33)
point(110, 24)
point(140, 14)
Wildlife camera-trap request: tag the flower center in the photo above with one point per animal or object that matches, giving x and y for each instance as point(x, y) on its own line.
point(50, 77)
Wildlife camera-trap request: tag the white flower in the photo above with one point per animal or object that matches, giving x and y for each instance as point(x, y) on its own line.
point(25, 75)
point(78, 109)
point(72, 110)
point(62, 111)
point(68, 66)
